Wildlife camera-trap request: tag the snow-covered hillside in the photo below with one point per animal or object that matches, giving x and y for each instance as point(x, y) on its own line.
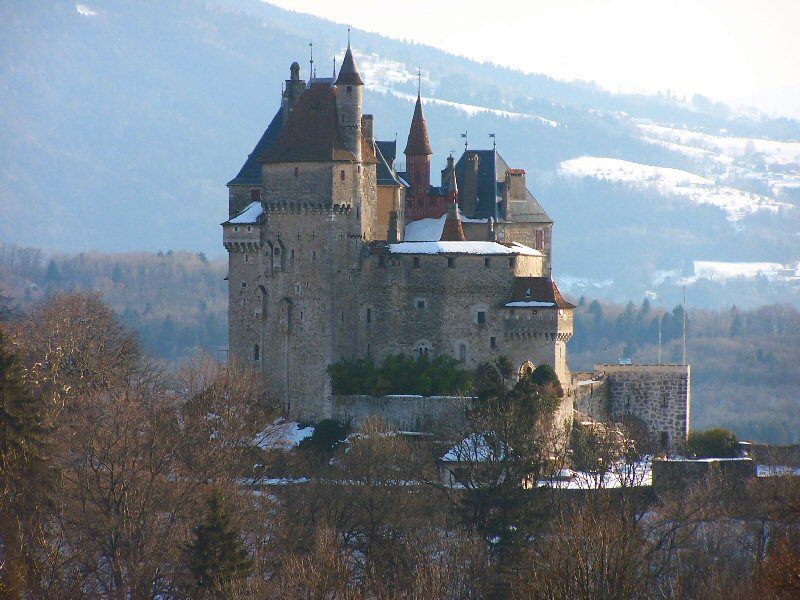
point(674, 182)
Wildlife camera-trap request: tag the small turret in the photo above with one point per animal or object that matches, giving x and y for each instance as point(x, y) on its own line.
point(291, 94)
point(418, 153)
point(349, 99)
point(453, 231)
point(449, 183)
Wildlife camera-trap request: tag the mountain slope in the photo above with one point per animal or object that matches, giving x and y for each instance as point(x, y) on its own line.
point(120, 123)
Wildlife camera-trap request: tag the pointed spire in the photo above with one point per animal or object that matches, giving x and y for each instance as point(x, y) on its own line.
point(452, 230)
point(418, 144)
point(348, 74)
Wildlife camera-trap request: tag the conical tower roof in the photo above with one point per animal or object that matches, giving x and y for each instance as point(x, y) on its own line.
point(418, 144)
point(452, 230)
point(348, 74)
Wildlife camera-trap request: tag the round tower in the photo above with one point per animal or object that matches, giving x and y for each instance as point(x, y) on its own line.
point(418, 154)
point(349, 99)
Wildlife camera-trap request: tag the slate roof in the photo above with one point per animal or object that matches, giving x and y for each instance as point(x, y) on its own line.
point(487, 182)
point(385, 154)
point(312, 132)
point(492, 169)
point(542, 289)
point(418, 143)
point(250, 173)
point(348, 74)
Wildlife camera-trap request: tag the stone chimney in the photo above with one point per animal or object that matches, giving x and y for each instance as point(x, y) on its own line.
point(514, 189)
point(469, 188)
point(393, 234)
point(368, 127)
point(491, 234)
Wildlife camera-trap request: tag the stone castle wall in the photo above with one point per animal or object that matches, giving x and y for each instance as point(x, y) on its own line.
point(426, 414)
point(591, 396)
point(440, 414)
point(659, 395)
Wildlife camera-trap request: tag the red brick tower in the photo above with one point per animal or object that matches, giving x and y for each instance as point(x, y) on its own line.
point(418, 156)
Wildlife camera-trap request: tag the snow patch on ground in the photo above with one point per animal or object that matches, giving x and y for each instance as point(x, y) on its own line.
point(283, 435)
point(777, 471)
point(619, 475)
point(690, 186)
point(85, 10)
point(576, 285)
point(726, 147)
point(721, 272)
point(469, 109)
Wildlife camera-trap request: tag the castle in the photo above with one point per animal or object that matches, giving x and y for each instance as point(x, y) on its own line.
point(337, 252)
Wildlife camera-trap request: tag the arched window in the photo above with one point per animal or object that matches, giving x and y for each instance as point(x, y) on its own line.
point(422, 349)
point(264, 303)
point(256, 353)
point(526, 369)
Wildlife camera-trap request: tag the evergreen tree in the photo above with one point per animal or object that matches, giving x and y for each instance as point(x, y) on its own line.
point(53, 274)
point(217, 556)
point(23, 440)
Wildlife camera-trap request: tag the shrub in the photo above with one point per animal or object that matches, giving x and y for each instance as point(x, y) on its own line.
point(713, 443)
point(328, 434)
point(401, 374)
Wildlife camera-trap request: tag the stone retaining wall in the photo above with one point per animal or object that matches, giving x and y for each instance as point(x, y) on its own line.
point(403, 413)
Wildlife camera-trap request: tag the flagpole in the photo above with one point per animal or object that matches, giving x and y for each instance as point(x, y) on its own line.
point(660, 319)
point(684, 324)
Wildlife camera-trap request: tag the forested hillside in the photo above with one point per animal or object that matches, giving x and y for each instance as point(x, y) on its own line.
point(745, 363)
point(175, 301)
point(121, 123)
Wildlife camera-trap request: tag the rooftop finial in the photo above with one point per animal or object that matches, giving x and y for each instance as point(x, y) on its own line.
point(333, 77)
point(311, 62)
point(466, 141)
point(348, 37)
point(494, 141)
point(419, 82)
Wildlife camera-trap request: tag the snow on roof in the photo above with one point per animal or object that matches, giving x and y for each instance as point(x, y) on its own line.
point(480, 248)
point(530, 304)
point(476, 447)
point(430, 230)
point(249, 214)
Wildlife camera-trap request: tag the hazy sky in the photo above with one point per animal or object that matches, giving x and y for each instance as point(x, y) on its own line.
point(738, 51)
